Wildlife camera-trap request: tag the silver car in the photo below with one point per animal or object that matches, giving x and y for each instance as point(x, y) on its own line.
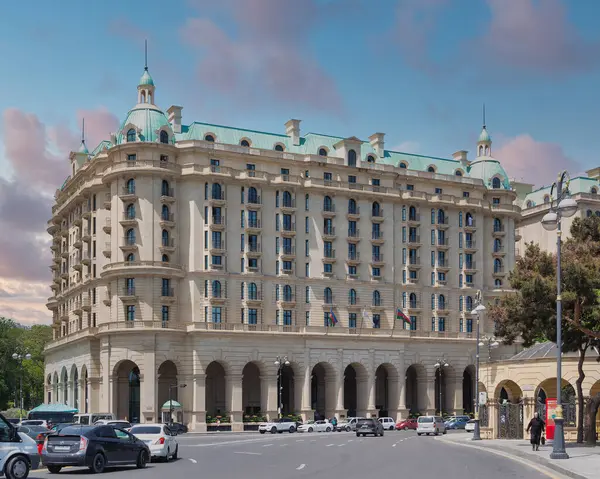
point(348, 424)
point(430, 425)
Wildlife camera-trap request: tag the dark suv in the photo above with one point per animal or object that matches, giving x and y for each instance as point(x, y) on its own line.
point(369, 426)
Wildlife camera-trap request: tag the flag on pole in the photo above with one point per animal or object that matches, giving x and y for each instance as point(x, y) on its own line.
point(401, 316)
point(332, 319)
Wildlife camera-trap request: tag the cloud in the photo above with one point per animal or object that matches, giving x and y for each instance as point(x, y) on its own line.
point(123, 27)
point(38, 157)
point(267, 57)
point(532, 161)
point(535, 36)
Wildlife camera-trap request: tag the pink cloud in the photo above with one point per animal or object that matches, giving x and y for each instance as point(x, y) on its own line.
point(267, 56)
point(123, 27)
point(536, 36)
point(532, 161)
point(99, 124)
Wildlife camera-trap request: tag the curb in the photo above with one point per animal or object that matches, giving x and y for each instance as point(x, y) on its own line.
point(532, 460)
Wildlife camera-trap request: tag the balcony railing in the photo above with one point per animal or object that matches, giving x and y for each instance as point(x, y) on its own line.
point(470, 264)
point(329, 253)
point(167, 292)
point(288, 203)
point(377, 258)
point(329, 208)
point(470, 223)
point(167, 242)
point(253, 248)
point(254, 223)
point(218, 196)
point(354, 233)
point(128, 291)
point(288, 250)
point(377, 213)
point(377, 235)
point(170, 217)
point(329, 231)
point(127, 241)
point(354, 211)
point(498, 228)
point(254, 200)
point(470, 244)
point(414, 261)
point(289, 227)
point(354, 256)
point(414, 218)
point(218, 220)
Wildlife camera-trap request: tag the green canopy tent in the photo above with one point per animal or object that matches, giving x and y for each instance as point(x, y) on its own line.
point(172, 411)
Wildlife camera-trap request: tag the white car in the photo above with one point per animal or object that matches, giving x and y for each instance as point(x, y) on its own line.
point(316, 426)
point(159, 439)
point(387, 423)
point(282, 425)
point(34, 422)
point(430, 425)
point(348, 424)
point(470, 426)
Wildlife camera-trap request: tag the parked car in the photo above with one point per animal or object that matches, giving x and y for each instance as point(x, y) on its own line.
point(369, 426)
point(18, 452)
point(94, 447)
point(41, 437)
point(410, 423)
point(430, 425)
point(348, 424)
point(283, 424)
point(456, 423)
point(92, 418)
point(110, 422)
point(159, 438)
point(387, 423)
point(178, 428)
point(322, 425)
point(34, 422)
point(14, 421)
point(470, 426)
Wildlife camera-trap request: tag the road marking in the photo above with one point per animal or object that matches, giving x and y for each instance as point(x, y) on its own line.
point(394, 445)
point(329, 445)
point(193, 461)
point(350, 440)
point(267, 445)
point(300, 467)
point(248, 453)
point(341, 445)
point(283, 445)
point(223, 443)
point(299, 440)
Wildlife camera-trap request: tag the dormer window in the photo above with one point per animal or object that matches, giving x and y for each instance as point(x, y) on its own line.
point(529, 204)
point(431, 169)
point(245, 143)
point(546, 199)
point(322, 152)
point(209, 138)
point(278, 147)
point(594, 190)
point(370, 159)
point(403, 166)
point(496, 183)
point(131, 135)
point(351, 158)
point(164, 137)
point(458, 173)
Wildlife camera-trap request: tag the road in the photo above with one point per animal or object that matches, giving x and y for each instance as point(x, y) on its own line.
point(322, 456)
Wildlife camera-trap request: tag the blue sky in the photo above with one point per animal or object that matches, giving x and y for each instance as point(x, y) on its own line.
point(418, 70)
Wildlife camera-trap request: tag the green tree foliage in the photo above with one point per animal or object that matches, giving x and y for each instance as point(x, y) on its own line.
point(530, 313)
point(18, 339)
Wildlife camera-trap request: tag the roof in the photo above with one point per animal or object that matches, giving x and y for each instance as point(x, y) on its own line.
point(148, 118)
point(579, 184)
point(488, 168)
point(170, 404)
point(543, 350)
point(146, 79)
point(54, 408)
point(484, 135)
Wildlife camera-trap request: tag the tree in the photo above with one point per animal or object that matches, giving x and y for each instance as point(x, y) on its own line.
point(530, 313)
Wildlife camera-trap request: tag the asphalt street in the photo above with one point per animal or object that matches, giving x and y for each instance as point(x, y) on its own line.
point(323, 456)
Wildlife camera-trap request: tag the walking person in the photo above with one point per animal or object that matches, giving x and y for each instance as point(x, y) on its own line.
point(537, 426)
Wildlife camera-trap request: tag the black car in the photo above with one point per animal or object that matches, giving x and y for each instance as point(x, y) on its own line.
point(95, 447)
point(369, 426)
point(178, 428)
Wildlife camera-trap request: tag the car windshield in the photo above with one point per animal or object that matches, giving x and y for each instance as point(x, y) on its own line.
point(75, 430)
point(145, 430)
point(32, 423)
point(425, 419)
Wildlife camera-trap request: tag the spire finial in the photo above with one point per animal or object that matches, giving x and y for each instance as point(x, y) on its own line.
point(146, 55)
point(484, 115)
point(83, 130)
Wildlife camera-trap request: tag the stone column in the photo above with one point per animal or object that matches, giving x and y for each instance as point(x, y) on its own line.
point(457, 397)
point(269, 394)
point(306, 410)
point(106, 400)
point(186, 398)
point(330, 395)
point(233, 394)
point(339, 408)
point(148, 390)
point(198, 418)
point(393, 384)
point(528, 410)
point(371, 410)
point(93, 385)
point(428, 385)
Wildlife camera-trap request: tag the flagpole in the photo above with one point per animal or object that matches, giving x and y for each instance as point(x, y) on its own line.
point(394, 318)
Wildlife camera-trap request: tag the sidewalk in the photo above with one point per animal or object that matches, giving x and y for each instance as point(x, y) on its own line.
point(583, 462)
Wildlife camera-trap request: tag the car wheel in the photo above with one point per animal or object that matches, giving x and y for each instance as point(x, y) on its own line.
point(310, 429)
point(17, 468)
point(273, 430)
point(418, 434)
point(292, 429)
point(406, 428)
point(98, 464)
point(391, 428)
point(357, 435)
point(176, 453)
point(444, 432)
point(168, 457)
point(348, 428)
point(262, 432)
point(54, 469)
point(142, 460)
point(381, 433)
point(328, 429)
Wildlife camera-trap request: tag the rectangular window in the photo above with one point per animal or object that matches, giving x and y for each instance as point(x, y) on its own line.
point(242, 195)
point(404, 234)
point(242, 265)
point(131, 157)
point(352, 270)
point(253, 263)
point(216, 314)
point(277, 199)
point(94, 270)
point(93, 295)
point(433, 258)
point(460, 261)
point(206, 288)
point(327, 176)
point(460, 240)
point(460, 280)
point(94, 203)
point(276, 267)
point(287, 266)
point(250, 167)
point(469, 279)
point(166, 287)
point(404, 276)
point(94, 225)
point(442, 324)
point(496, 201)
point(287, 317)
point(94, 249)
point(307, 294)
point(351, 179)
point(242, 314)
point(285, 171)
point(404, 213)
point(276, 244)
point(214, 162)
point(306, 203)
point(206, 215)
point(432, 278)
point(328, 268)
point(376, 321)
point(306, 248)
point(375, 182)
point(277, 222)
point(242, 242)
point(433, 237)
point(352, 320)
point(306, 222)
point(242, 289)
point(217, 260)
point(438, 191)
point(252, 316)
point(165, 314)
point(376, 272)
point(465, 194)
point(242, 216)
point(276, 292)
point(403, 255)
point(410, 187)
point(433, 324)
point(93, 320)
point(469, 325)
point(307, 270)
point(131, 312)
point(413, 323)
point(306, 174)
point(441, 276)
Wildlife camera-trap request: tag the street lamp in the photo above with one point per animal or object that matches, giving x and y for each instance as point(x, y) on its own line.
point(477, 312)
point(280, 363)
point(565, 207)
point(21, 357)
point(440, 364)
point(171, 387)
point(491, 343)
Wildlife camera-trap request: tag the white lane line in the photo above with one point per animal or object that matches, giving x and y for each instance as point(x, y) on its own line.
point(267, 445)
point(283, 445)
point(394, 445)
point(193, 461)
point(300, 467)
point(350, 440)
point(223, 443)
point(341, 445)
point(248, 453)
point(329, 445)
point(299, 440)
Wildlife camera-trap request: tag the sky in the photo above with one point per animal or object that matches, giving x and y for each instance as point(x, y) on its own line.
point(417, 70)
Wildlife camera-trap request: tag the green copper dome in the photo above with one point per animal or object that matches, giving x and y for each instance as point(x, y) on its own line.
point(487, 169)
point(148, 119)
point(484, 136)
point(83, 148)
point(146, 79)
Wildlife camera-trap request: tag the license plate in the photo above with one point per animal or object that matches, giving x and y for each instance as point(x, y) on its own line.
point(62, 448)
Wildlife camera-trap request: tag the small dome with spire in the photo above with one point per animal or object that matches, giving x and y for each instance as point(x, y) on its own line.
point(484, 136)
point(83, 148)
point(146, 79)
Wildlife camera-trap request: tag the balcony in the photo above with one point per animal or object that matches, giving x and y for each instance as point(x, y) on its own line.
point(254, 202)
point(77, 265)
point(377, 306)
point(86, 211)
point(377, 215)
point(78, 242)
point(288, 253)
point(107, 201)
point(353, 258)
point(253, 269)
point(167, 244)
point(86, 235)
point(288, 229)
point(128, 244)
point(107, 299)
point(470, 245)
point(128, 294)
point(167, 220)
point(287, 271)
point(253, 226)
point(288, 206)
point(167, 295)
point(443, 223)
point(77, 308)
point(54, 267)
point(376, 276)
point(329, 256)
point(498, 251)
point(65, 253)
point(328, 210)
point(352, 275)
point(377, 237)
point(329, 233)
point(442, 264)
point(86, 304)
point(77, 221)
point(52, 227)
point(414, 261)
point(414, 219)
point(167, 195)
point(413, 281)
point(499, 271)
point(287, 300)
point(518, 234)
point(377, 260)
point(216, 247)
point(128, 219)
point(353, 235)
point(128, 194)
point(218, 297)
point(54, 246)
point(107, 250)
point(470, 266)
point(499, 230)
point(218, 222)
point(107, 228)
point(414, 305)
point(470, 225)
point(443, 243)
point(64, 232)
point(254, 299)
point(443, 306)
point(253, 249)
point(353, 213)
point(64, 317)
point(414, 240)
point(441, 282)
point(219, 266)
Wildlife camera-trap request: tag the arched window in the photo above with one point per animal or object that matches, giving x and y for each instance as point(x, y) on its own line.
point(245, 143)
point(496, 183)
point(370, 159)
point(402, 165)
point(376, 298)
point(441, 301)
point(412, 213)
point(351, 158)
point(131, 186)
point(432, 302)
point(287, 293)
point(164, 188)
point(469, 303)
point(130, 236)
point(287, 199)
point(252, 291)
point(131, 135)
point(327, 296)
point(480, 150)
point(322, 152)
point(497, 245)
point(164, 137)
point(497, 225)
point(376, 209)
point(529, 203)
point(594, 190)
point(497, 265)
point(217, 193)
point(458, 173)
point(589, 213)
point(165, 238)
point(441, 217)
point(278, 147)
point(546, 199)
point(165, 258)
point(469, 219)
point(352, 296)
point(130, 211)
point(327, 203)
point(164, 214)
point(431, 169)
point(216, 289)
point(134, 395)
point(306, 201)
point(352, 208)
point(498, 283)
point(252, 195)
point(412, 299)
point(130, 258)
point(209, 138)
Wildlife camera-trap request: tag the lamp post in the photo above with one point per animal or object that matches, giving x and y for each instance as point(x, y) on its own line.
point(491, 343)
point(440, 364)
point(562, 206)
point(171, 387)
point(280, 362)
point(20, 358)
point(477, 313)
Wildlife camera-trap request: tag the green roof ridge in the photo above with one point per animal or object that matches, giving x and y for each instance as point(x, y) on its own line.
point(239, 129)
